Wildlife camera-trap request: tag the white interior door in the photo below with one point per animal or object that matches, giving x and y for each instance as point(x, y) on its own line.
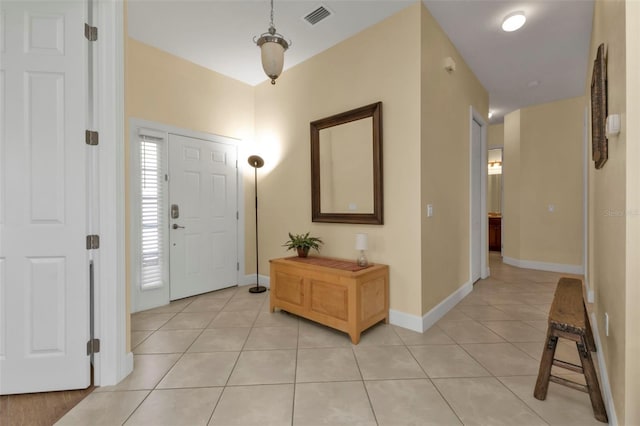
point(203, 232)
point(44, 300)
point(476, 188)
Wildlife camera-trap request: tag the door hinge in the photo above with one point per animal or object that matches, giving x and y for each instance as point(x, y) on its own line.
point(93, 242)
point(236, 164)
point(93, 346)
point(91, 137)
point(237, 215)
point(90, 33)
point(237, 266)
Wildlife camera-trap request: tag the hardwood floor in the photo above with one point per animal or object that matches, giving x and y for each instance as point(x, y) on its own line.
point(39, 409)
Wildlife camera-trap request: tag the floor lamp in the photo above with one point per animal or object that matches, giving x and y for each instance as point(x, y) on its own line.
point(256, 162)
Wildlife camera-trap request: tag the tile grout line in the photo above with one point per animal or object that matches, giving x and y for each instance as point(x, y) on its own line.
point(226, 385)
point(432, 381)
point(173, 365)
point(295, 373)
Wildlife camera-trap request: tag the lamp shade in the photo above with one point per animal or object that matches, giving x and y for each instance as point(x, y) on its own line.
point(361, 241)
point(272, 54)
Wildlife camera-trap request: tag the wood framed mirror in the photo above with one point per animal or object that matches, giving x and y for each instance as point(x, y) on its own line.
point(346, 167)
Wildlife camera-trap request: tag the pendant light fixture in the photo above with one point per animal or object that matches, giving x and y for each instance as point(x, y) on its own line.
point(273, 46)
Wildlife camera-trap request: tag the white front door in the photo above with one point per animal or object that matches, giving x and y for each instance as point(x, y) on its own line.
point(44, 268)
point(203, 215)
point(477, 220)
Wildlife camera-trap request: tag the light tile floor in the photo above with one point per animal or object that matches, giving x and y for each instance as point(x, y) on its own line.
point(223, 359)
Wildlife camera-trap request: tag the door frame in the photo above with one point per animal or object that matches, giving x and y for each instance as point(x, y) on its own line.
point(137, 123)
point(474, 115)
point(113, 363)
point(501, 148)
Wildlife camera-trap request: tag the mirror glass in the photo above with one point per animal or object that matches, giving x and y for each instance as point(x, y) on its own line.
point(494, 181)
point(346, 170)
point(346, 167)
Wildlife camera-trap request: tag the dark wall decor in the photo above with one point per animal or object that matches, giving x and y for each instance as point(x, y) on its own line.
point(346, 167)
point(599, 144)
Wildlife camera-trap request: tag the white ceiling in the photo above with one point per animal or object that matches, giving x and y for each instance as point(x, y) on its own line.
point(552, 47)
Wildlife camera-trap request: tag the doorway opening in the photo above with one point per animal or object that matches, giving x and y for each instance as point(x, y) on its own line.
point(494, 198)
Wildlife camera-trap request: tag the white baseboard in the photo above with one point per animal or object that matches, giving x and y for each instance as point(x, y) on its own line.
point(128, 364)
point(605, 385)
point(544, 266)
point(401, 319)
point(251, 279)
point(446, 305)
point(415, 323)
point(590, 293)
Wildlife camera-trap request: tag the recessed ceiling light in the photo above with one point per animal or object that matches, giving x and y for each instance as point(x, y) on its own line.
point(513, 21)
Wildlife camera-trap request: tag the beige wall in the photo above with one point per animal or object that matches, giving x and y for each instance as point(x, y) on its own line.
point(511, 178)
point(444, 163)
point(349, 75)
point(551, 153)
point(495, 136)
point(163, 88)
point(549, 172)
point(607, 205)
point(426, 112)
point(632, 392)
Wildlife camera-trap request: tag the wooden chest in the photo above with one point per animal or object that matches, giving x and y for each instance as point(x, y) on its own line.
point(333, 292)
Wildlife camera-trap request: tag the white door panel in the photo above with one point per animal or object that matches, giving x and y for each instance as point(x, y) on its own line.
point(44, 300)
point(203, 247)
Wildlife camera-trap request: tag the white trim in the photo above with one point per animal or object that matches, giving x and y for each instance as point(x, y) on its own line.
point(128, 361)
point(112, 363)
point(441, 309)
point(408, 321)
point(544, 266)
point(484, 244)
point(415, 323)
point(585, 203)
point(240, 273)
point(605, 385)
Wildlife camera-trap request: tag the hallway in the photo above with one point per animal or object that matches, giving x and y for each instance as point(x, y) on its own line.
point(223, 359)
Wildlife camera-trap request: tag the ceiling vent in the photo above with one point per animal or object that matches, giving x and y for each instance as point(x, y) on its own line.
point(317, 15)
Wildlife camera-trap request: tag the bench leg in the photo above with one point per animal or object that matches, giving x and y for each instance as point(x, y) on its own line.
point(599, 410)
point(591, 345)
point(542, 384)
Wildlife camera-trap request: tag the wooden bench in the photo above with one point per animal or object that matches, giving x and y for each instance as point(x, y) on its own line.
point(568, 319)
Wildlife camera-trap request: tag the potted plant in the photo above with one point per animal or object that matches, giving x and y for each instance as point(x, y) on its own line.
point(302, 243)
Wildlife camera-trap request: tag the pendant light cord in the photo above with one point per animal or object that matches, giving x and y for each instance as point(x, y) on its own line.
point(271, 24)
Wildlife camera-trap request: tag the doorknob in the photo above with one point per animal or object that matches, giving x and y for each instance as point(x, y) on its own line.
point(176, 226)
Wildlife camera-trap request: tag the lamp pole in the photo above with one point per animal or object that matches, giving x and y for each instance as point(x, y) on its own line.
point(256, 162)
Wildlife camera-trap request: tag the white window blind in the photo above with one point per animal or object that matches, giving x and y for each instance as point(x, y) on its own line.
point(153, 221)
